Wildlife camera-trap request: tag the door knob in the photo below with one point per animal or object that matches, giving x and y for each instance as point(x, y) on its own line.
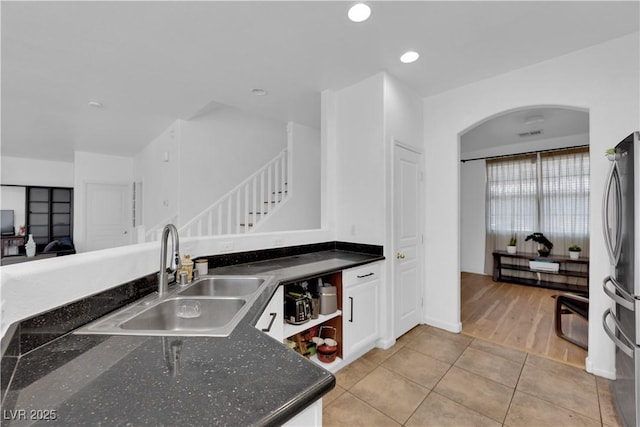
point(400, 255)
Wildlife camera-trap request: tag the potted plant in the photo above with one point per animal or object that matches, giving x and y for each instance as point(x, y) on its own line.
point(511, 247)
point(574, 251)
point(611, 154)
point(544, 245)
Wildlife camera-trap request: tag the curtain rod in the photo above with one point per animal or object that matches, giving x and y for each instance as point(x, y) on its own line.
point(525, 153)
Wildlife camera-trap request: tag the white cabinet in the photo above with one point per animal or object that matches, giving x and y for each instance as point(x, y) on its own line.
point(272, 320)
point(360, 307)
point(310, 417)
point(355, 322)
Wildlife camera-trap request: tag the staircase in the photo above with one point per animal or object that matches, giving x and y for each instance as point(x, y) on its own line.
point(246, 206)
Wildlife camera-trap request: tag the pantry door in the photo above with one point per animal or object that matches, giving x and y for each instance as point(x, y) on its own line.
point(407, 227)
point(109, 215)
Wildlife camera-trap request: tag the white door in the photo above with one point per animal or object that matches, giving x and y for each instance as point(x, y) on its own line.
point(407, 229)
point(108, 220)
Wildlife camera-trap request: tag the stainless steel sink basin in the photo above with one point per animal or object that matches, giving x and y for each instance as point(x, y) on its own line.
point(185, 314)
point(222, 286)
point(210, 306)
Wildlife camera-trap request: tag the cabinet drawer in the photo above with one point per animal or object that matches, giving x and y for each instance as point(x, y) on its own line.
point(361, 274)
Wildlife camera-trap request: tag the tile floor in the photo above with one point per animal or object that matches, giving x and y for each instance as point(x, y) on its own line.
point(431, 377)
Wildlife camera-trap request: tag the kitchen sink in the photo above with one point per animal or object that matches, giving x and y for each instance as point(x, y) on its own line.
point(210, 306)
point(180, 314)
point(223, 286)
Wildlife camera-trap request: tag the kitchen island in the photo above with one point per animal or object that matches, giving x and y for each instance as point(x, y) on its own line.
point(246, 378)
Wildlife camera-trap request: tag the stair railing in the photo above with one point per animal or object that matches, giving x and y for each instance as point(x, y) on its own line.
point(242, 208)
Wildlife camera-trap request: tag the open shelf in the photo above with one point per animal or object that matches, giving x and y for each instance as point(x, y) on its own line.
point(536, 278)
point(290, 329)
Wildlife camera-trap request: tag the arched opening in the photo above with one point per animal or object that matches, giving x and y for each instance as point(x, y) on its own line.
point(500, 310)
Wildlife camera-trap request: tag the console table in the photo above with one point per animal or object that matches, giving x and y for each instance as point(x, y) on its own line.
point(10, 245)
point(504, 262)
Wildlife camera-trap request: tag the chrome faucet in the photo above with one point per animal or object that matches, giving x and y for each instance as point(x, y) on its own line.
point(163, 280)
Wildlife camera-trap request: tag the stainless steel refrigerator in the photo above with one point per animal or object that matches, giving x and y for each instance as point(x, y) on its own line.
point(621, 206)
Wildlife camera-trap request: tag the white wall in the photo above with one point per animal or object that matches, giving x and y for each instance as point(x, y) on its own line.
point(602, 79)
point(472, 216)
point(21, 171)
point(95, 168)
point(302, 211)
point(523, 147)
point(360, 162)
point(157, 167)
point(220, 149)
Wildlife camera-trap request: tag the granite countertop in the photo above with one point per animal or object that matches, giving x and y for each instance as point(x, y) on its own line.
point(247, 378)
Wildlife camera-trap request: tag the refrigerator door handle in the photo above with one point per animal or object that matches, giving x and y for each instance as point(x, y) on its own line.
point(627, 348)
point(612, 178)
point(625, 299)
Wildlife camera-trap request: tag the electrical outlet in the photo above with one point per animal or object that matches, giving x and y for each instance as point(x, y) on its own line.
point(278, 242)
point(226, 246)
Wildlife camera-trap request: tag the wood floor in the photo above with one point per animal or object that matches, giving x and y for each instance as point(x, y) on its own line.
point(520, 317)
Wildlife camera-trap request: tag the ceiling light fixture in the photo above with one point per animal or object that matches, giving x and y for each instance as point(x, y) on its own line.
point(259, 92)
point(359, 12)
point(95, 104)
point(409, 57)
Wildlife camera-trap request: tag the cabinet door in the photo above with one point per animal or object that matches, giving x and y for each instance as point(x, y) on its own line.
point(360, 318)
point(271, 321)
point(310, 417)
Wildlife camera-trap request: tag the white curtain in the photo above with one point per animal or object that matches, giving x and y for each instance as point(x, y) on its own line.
point(547, 193)
point(565, 199)
point(511, 200)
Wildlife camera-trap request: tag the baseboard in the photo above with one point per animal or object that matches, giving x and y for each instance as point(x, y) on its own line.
point(451, 327)
point(598, 372)
point(385, 343)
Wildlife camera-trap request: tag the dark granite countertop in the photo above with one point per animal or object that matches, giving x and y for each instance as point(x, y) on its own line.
point(247, 378)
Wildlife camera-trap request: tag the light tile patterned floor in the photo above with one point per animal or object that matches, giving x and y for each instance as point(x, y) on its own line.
point(431, 377)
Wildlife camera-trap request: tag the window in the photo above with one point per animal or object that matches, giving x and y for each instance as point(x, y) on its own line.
point(545, 192)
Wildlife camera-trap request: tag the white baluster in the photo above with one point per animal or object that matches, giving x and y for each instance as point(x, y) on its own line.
point(238, 212)
point(262, 179)
point(269, 194)
point(276, 183)
point(283, 161)
point(254, 208)
point(245, 209)
point(229, 217)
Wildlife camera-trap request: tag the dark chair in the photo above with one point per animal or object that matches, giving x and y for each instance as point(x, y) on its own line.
point(64, 246)
point(570, 304)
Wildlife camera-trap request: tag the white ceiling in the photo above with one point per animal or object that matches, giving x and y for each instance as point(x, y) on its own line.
point(150, 63)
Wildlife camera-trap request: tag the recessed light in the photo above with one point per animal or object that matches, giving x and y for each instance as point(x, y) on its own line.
point(95, 104)
point(409, 57)
point(359, 12)
point(259, 92)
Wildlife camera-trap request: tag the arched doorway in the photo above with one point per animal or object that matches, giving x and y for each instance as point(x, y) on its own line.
point(495, 311)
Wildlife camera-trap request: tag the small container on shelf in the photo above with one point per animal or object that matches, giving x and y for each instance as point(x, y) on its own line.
point(326, 347)
point(328, 299)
